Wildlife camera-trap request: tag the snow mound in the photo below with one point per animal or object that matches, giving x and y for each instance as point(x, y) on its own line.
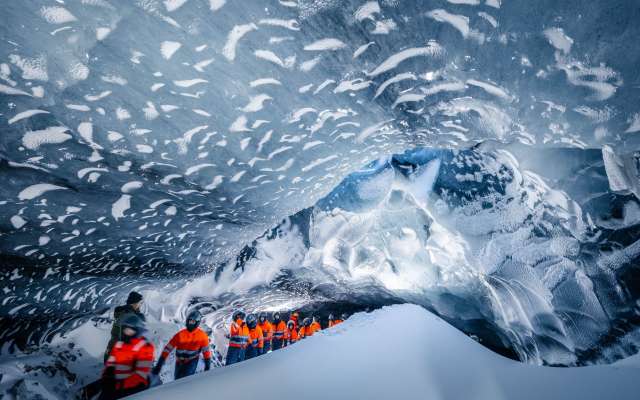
point(395, 351)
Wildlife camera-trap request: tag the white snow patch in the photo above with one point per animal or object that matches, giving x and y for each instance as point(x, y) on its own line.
point(26, 114)
point(57, 15)
point(102, 33)
point(459, 22)
point(32, 140)
point(18, 222)
point(32, 68)
point(325, 44)
point(172, 5)
point(559, 39)
point(264, 81)
point(256, 103)
point(362, 49)
point(131, 186)
point(215, 5)
point(120, 206)
point(427, 359)
point(169, 48)
point(189, 82)
point(269, 55)
point(432, 49)
point(238, 31)
point(38, 190)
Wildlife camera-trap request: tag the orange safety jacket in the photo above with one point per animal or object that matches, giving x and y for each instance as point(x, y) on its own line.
point(188, 346)
point(334, 322)
point(279, 330)
point(239, 334)
point(291, 335)
point(316, 326)
point(256, 338)
point(131, 363)
point(306, 331)
point(267, 330)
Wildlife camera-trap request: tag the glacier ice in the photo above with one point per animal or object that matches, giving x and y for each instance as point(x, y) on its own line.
point(148, 143)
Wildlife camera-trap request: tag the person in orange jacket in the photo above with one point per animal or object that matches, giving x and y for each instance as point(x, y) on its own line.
point(294, 317)
point(315, 325)
point(267, 332)
point(279, 330)
point(129, 363)
point(188, 343)
point(238, 339)
point(256, 338)
point(333, 321)
point(306, 330)
point(291, 334)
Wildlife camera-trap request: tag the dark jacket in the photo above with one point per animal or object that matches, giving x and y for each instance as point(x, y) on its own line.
point(116, 330)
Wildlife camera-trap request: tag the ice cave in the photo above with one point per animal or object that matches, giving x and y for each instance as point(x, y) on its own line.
point(460, 178)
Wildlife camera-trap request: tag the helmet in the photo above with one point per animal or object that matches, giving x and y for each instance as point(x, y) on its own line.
point(306, 321)
point(251, 321)
point(344, 316)
point(291, 324)
point(193, 320)
point(134, 322)
point(276, 317)
point(262, 317)
point(331, 317)
point(238, 314)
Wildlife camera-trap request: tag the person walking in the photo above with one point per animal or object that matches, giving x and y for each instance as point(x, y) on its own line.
point(129, 363)
point(279, 329)
point(238, 339)
point(315, 325)
point(256, 338)
point(267, 332)
point(291, 334)
point(132, 306)
point(188, 343)
point(307, 330)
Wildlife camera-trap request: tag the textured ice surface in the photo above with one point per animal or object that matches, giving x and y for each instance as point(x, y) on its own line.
point(144, 142)
point(477, 238)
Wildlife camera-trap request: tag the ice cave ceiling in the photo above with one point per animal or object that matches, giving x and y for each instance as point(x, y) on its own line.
point(146, 140)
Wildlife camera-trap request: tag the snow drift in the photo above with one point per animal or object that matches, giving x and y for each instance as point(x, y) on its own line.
point(399, 351)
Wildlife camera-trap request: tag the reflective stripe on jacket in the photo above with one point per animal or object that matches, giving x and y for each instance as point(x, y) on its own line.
point(256, 338)
point(279, 330)
point(131, 363)
point(188, 346)
point(239, 334)
point(267, 330)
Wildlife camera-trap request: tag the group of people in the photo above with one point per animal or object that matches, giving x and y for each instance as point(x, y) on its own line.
point(250, 337)
point(129, 358)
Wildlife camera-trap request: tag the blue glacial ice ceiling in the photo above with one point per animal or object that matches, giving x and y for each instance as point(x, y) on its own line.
point(145, 142)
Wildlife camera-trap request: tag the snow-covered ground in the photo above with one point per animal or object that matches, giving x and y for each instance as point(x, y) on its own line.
point(397, 351)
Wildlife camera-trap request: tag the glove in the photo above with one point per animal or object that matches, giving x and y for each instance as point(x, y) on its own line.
point(207, 364)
